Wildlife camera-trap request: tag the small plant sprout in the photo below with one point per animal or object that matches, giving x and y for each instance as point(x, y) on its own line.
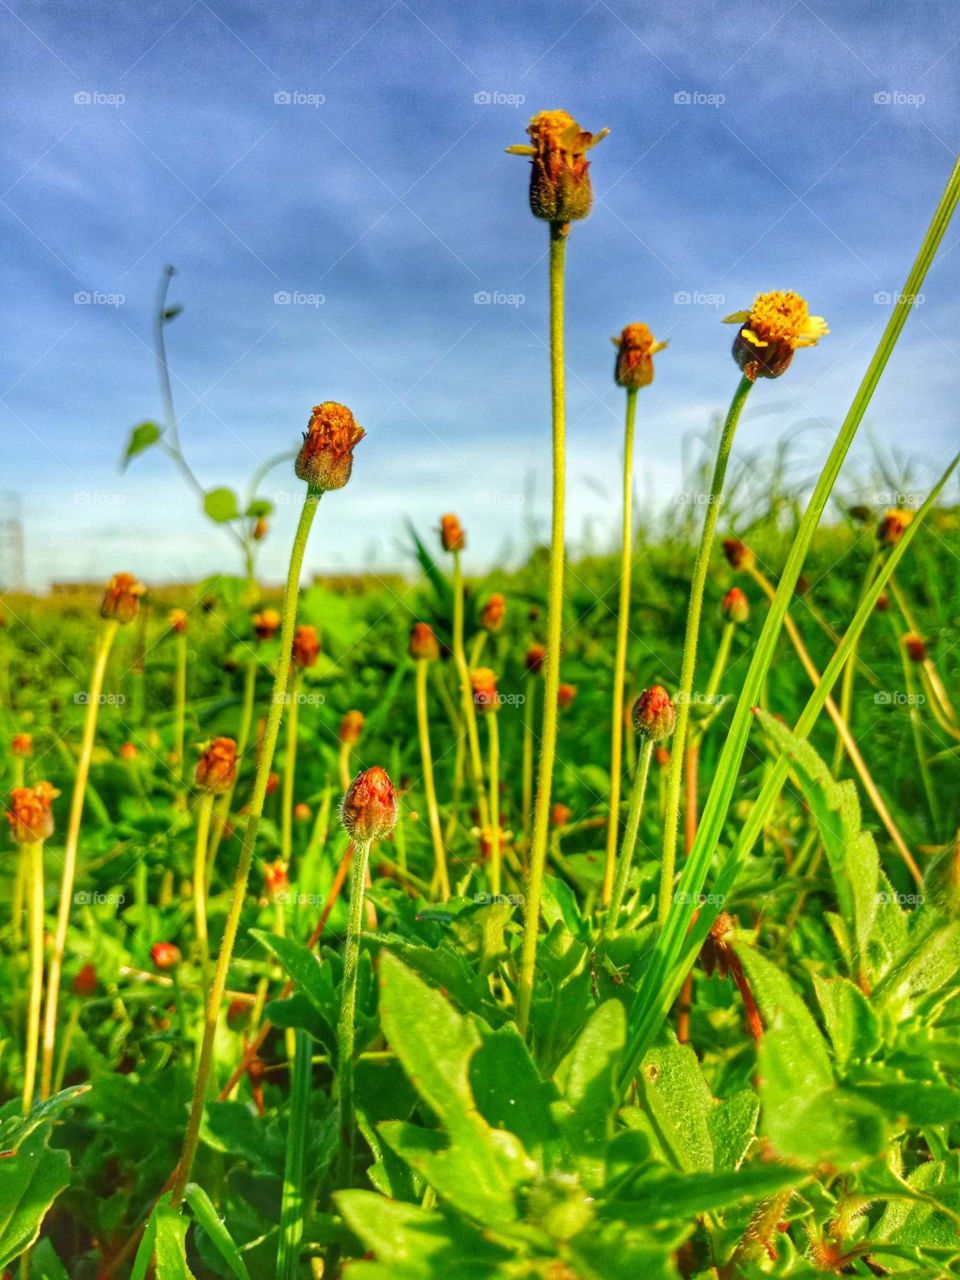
point(424, 649)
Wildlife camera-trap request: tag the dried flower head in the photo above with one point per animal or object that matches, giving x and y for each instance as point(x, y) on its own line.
point(266, 624)
point(493, 612)
point(653, 714)
point(738, 554)
point(177, 620)
point(452, 534)
point(217, 766)
point(423, 643)
point(121, 600)
point(351, 727)
point(560, 189)
point(883, 603)
point(636, 348)
point(369, 809)
point(565, 695)
point(893, 525)
point(306, 646)
point(275, 879)
point(165, 955)
point(325, 459)
point(483, 682)
point(535, 658)
point(31, 812)
point(915, 646)
point(21, 744)
point(735, 606)
point(776, 325)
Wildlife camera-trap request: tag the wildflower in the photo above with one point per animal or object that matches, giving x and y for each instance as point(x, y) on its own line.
point(21, 744)
point(273, 781)
point(85, 981)
point(423, 643)
point(266, 624)
point(636, 348)
point(739, 555)
point(452, 534)
point(325, 459)
point(493, 612)
point(217, 766)
point(369, 809)
point(560, 175)
point(484, 685)
point(883, 602)
point(177, 620)
point(535, 658)
point(653, 714)
point(735, 606)
point(893, 525)
point(302, 812)
point(351, 727)
point(560, 815)
point(776, 325)
point(565, 695)
point(128, 751)
point(306, 646)
point(275, 878)
point(31, 813)
point(121, 599)
point(915, 646)
point(165, 955)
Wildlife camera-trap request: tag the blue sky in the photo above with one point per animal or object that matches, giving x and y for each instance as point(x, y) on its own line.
point(799, 145)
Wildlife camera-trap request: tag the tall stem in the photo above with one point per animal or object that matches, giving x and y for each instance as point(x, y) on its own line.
point(494, 781)
point(689, 661)
point(34, 854)
point(466, 693)
point(292, 1207)
point(529, 711)
point(850, 670)
point(290, 769)
point(634, 813)
point(429, 784)
point(180, 707)
point(70, 848)
point(620, 661)
point(551, 671)
point(269, 746)
point(243, 737)
point(348, 1006)
point(200, 884)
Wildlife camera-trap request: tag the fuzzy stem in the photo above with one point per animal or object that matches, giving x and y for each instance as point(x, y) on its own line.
point(34, 853)
point(689, 660)
point(634, 813)
point(494, 782)
point(529, 712)
point(551, 673)
point(70, 848)
point(620, 661)
point(290, 769)
point(466, 693)
point(429, 784)
point(344, 760)
point(292, 1206)
point(73, 1021)
point(200, 884)
point(180, 706)
point(271, 733)
point(222, 814)
point(348, 1003)
point(850, 670)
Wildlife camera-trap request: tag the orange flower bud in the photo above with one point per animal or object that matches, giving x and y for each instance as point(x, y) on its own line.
point(560, 189)
point(31, 813)
point(493, 612)
point(915, 646)
point(266, 624)
point(777, 325)
point(484, 685)
point(739, 555)
point(260, 529)
point(653, 714)
point(893, 525)
point(735, 606)
point(325, 459)
point(369, 809)
point(306, 646)
point(217, 766)
point(662, 756)
point(423, 643)
point(535, 658)
point(636, 348)
point(560, 815)
point(883, 603)
point(565, 695)
point(21, 744)
point(302, 812)
point(351, 727)
point(177, 620)
point(275, 879)
point(273, 781)
point(85, 981)
point(121, 600)
point(128, 751)
point(451, 533)
point(165, 955)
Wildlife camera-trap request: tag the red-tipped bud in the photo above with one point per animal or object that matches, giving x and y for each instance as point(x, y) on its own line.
point(275, 879)
point(739, 555)
point(565, 695)
point(636, 348)
point(302, 812)
point(423, 643)
point(217, 766)
point(238, 1015)
point(560, 190)
point(266, 624)
point(351, 727)
point(483, 682)
point(915, 646)
point(369, 809)
point(883, 603)
point(653, 714)
point(493, 612)
point(735, 606)
point(85, 981)
point(452, 534)
point(21, 744)
point(121, 600)
point(325, 459)
point(177, 620)
point(273, 781)
point(560, 815)
point(893, 526)
point(31, 813)
point(165, 955)
point(128, 751)
point(306, 646)
point(536, 657)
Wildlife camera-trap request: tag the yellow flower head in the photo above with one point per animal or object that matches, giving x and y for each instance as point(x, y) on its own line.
point(636, 348)
point(893, 525)
point(560, 189)
point(771, 331)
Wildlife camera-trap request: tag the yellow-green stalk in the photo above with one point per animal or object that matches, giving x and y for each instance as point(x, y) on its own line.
point(424, 649)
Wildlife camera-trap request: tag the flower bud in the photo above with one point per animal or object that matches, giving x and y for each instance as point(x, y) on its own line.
point(369, 809)
point(217, 766)
point(452, 534)
point(560, 815)
point(915, 646)
point(565, 695)
point(739, 555)
point(31, 813)
point(121, 600)
point(776, 326)
point(266, 624)
point(273, 781)
point(85, 981)
point(238, 1015)
point(636, 348)
point(302, 812)
point(883, 603)
point(535, 658)
point(275, 879)
point(351, 727)
point(493, 612)
point(484, 685)
point(893, 526)
point(260, 529)
point(128, 751)
point(165, 955)
point(735, 606)
point(653, 714)
point(325, 459)
point(177, 620)
point(21, 744)
point(306, 647)
point(423, 643)
point(560, 189)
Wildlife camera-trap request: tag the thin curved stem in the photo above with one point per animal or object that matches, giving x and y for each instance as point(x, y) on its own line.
point(850, 670)
point(429, 784)
point(180, 707)
point(634, 813)
point(290, 769)
point(200, 884)
point(34, 855)
point(494, 781)
point(222, 814)
point(466, 693)
point(348, 1004)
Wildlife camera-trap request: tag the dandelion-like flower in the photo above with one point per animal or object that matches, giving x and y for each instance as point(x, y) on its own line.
point(636, 348)
point(21, 744)
point(306, 646)
point(31, 813)
point(738, 554)
point(735, 606)
point(536, 656)
point(775, 327)
point(177, 620)
point(493, 612)
point(452, 534)
point(121, 600)
point(217, 766)
point(560, 188)
point(483, 682)
point(893, 525)
point(266, 624)
point(351, 727)
point(653, 714)
point(325, 459)
point(423, 643)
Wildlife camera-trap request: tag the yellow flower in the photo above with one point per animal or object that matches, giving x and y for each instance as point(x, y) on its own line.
point(560, 188)
point(771, 331)
point(636, 348)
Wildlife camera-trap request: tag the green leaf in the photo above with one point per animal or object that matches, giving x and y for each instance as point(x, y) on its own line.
point(850, 1020)
point(221, 505)
point(670, 1196)
point(170, 1249)
point(924, 1225)
point(677, 1100)
point(30, 1181)
point(259, 508)
point(16, 1127)
point(141, 438)
point(509, 1093)
point(587, 1076)
point(733, 1124)
point(208, 1218)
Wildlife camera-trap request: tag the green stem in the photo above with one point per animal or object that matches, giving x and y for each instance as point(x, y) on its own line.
point(850, 670)
point(243, 737)
point(529, 712)
point(200, 884)
point(348, 1004)
point(34, 854)
point(292, 1206)
point(551, 672)
point(689, 660)
point(634, 813)
point(429, 783)
point(290, 770)
point(180, 705)
point(494, 781)
point(466, 693)
point(620, 660)
point(271, 733)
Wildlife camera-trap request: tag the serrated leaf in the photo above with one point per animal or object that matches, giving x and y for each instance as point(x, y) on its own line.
point(851, 1023)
